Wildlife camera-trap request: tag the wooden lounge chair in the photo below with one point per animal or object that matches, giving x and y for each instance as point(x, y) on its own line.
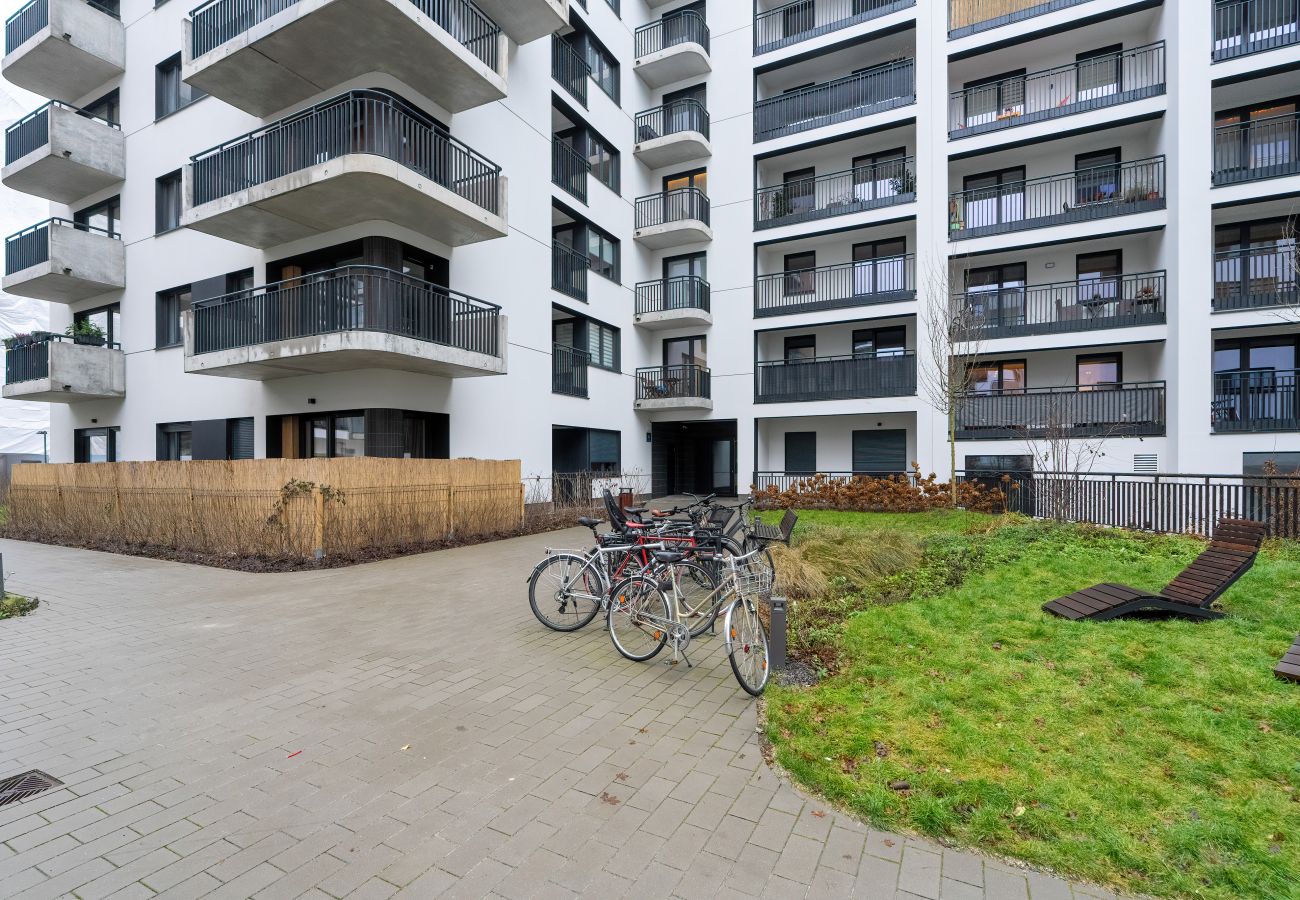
point(1230, 554)
point(768, 533)
point(1289, 667)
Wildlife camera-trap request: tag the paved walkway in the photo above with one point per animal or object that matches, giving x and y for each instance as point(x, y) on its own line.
point(405, 725)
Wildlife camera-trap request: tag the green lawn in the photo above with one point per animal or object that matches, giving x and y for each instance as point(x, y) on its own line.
point(1158, 757)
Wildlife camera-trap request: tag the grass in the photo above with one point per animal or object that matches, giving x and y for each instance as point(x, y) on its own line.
point(1157, 757)
point(12, 606)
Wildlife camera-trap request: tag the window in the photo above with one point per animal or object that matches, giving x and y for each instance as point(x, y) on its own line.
point(993, 198)
point(1098, 277)
point(167, 202)
point(800, 452)
point(990, 99)
point(880, 341)
point(881, 175)
point(680, 290)
point(239, 438)
point(171, 307)
point(604, 450)
point(603, 64)
point(334, 435)
point(1096, 178)
point(1273, 462)
point(1254, 260)
point(1265, 136)
point(799, 275)
point(602, 345)
point(603, 250)
point(239, 281)
point(686, 351)
point(1004, 377)
point(798, 193)
point(170, 93)
point(995, 295)
point(92, 445)
point(1098, 371)
point(1262, 354)
point(103, 216)
point(108, 319)
point(1098, 72)
point(799, 347)
point(106, 107)
point(879, 267)
point(604, 161)
point(176, 441)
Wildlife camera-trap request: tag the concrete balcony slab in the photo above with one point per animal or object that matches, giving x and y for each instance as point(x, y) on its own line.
point(527, 20)
point(80, 156)
point(673, 64)
point(72, 48)
point(674, 318)
point(77, 265)
point(69, 372)
point(674, 403)
point(673, 234)
point(673, 149)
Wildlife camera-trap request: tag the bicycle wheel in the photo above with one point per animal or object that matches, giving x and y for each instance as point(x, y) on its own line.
point(747, 646)
point(565, 592)
point(693, 586)
point(638, 618)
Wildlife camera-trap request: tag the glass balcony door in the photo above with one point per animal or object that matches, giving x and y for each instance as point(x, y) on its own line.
point(879, 267)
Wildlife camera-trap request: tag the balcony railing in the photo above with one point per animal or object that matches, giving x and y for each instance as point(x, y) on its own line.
point(784, 481)
point(1121, 410)
point(1088, 84)
point(1242, 27)
point(1256, 278)
point(1258, 149)
point(1080, 196)
point(836, 378)
point(862, 283)
point(803, 20)
point(30, 19)
point(673, 383)
point(865, 93)
point(363, 121)
point(29, 360)
point(680, 205)
point(32, 131)
point(674, 29)
point(219, 21)
point(886, 183)
point(664, 294)
point(569, 269)
point(1256, 400)
point(31, 246)
point(350, 298)
point(973, 16)
point(569, 69)
point(676, 117)
point(1068, 306)
point(569, 169)
point(569, 370)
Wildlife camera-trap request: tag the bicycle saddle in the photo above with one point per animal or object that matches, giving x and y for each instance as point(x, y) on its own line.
point(668, 556)
point(589, 522)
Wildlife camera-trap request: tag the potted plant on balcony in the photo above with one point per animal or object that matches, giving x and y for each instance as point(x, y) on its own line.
point(903, 183)
point(86, 332)
point(19, 340)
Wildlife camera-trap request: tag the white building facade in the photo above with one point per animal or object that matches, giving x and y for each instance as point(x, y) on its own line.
point(694, 240)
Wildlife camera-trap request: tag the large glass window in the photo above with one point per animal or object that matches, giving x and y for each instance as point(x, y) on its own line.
point(799, 275)
point(995, 295)
point(332, 435)
point(106, 107)
point(170, 93)
point(604, 253)
point(1003, 377)
point(685, 351)
point(1096, 177)
point(175, 441)
point(171, 307)
point(1098, 72)
point(993, 198)
point(92, 445)
point(800, 347)
point(167, 202)
point(602, 344)
point(988, 99)
point(1098, 371)
point(879, 267)
point(104, 215)
point(880, 341)
point(108, 319)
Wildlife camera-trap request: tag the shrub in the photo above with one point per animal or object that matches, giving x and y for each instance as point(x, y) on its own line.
point(875, 493)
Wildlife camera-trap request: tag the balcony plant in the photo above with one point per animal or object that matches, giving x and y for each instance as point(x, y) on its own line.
point(903, 183)
point(86, 332)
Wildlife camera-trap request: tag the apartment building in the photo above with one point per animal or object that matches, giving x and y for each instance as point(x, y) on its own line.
point(697, 240)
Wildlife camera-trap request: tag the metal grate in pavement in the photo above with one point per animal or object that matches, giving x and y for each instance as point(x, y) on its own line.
point(28, 784)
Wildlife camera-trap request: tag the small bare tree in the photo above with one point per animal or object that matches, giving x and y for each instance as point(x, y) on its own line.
point(1290, 274)
point(1065, 450)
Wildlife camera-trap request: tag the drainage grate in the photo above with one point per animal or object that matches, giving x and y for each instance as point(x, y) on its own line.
point(28, 784)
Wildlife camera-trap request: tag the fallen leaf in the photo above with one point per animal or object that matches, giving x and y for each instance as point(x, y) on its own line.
point(887, 842)
point(621, 776)
point(609, 798)
point(1265, 727)
point(819, 814)
point(406, 747)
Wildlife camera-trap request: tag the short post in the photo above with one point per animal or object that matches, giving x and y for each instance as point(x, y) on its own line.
point(776, 654)
point(3, 593)
point(318, 499)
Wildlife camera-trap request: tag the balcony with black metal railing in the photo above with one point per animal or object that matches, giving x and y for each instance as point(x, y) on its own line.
point(1083, 195)
point(671, 49)
point(569, 169)
point(64, 49)
point(672, 219)
point(1131, 409)
point(1245, 27)
point(362, 156)
point(673, 303)
point(569, 69)
point(676, 132)
point(875, 90)
point(785, 480)
point(262, 56)
point(1097, 82)
point(865, 282)
point(527, 20)
point(857, 376)
point(1256, 278)
point(569, 367)
point(569, 268)
point(883, 184)
point(1123, 301)
point(62, 153)
point(1256, 401)
point(57, 368)
point(353, 317)
point(63, 261)
point(674, 387)
point(803, 20)
point(967, 17)
point(1257, 150)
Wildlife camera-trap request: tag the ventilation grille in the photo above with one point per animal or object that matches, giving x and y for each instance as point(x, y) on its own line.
point(1146, 463)
point(28, 784)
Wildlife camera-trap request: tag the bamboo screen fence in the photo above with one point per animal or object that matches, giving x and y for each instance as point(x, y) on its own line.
point(964, 13)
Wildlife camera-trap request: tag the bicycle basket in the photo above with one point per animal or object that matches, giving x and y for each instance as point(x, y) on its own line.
point(754, 581)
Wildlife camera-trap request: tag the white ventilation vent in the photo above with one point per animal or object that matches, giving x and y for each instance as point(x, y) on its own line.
point(1146, 463)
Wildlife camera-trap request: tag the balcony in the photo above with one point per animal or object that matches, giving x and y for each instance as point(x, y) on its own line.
point(973, 16)
point(1123, 410)
point(1256, 401)
point(854, 377)
point(673, 303)
point(569, 169)
point(569, 370)
point(804, 20)
point(1256, 278)
point(673, 219)
point(1094, 83)
point(1257, 150)
point(569, 269)
point(1066, 307)
point(527, 20)
point(63, 154)
point(54, 368)
point(360, 157)
point(569, 70)
point(672, 49)
point(889, 183)
point(63, 262)
point(874, 91)
point(355, 317)
point(675, 133)
point(266, 56)
point(1080, 196)
point(673, 387)
point(1243, 27)
point(863, 283)
point(64, 49)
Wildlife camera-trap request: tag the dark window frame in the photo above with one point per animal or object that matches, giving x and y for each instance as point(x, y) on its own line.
point(114, 311)
point(82, 436)
point(1084, 358)
point(167, 202)
point(165, 320)
point(171, 94)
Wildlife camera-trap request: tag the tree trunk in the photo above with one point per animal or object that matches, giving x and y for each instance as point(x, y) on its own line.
point(952, 453)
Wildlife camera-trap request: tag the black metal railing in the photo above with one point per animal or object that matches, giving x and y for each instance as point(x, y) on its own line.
point(569, 169)
point(664, 294)
point(676, 117)
point(1088, 84)
point(1134, 409)
point(673, 30)
point(864, 93)
point(673, 383)
point(850, 377)
point(569, 69)
point(1242, 27)
point(29, 359)
point(1256, 277)
point(1079, 196)
point(862, 283)
point(803, 20)
point(350, 298)
point(1256, 400)
point(973, 16)
point(1258, 149)
point(885, 183)
point(1067, 306)
point(31, 246)
point(785, 480)
point(680, 205)
point(569, 370)
point(362, 121)
point(569, 269)
point(218, 21)
point(32, 131)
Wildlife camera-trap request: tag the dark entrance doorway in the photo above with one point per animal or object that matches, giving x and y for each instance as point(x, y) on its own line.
point(693, 457)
